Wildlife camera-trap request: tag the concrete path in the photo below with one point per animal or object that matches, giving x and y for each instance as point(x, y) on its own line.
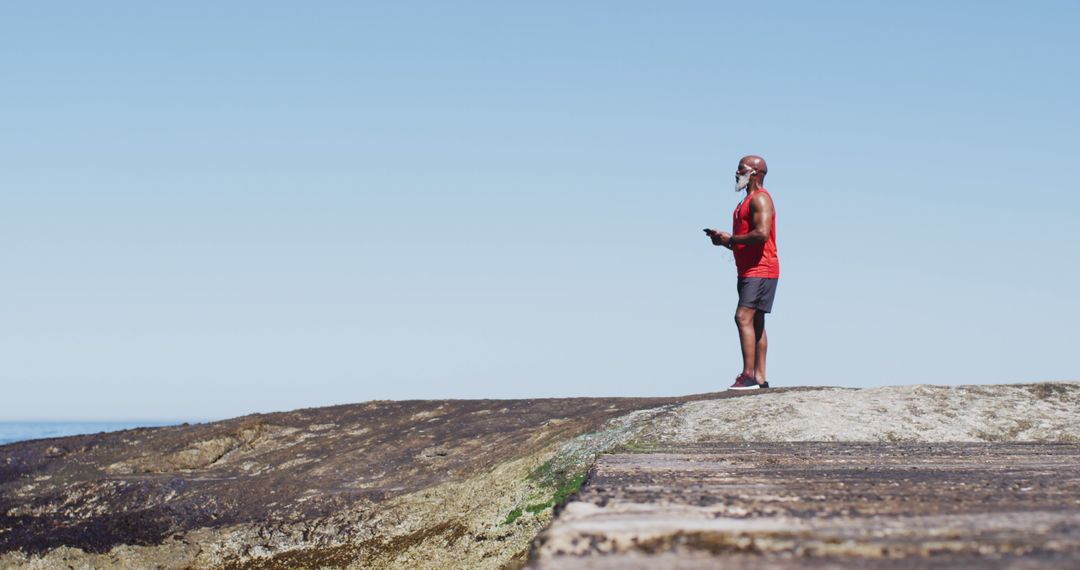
point(824, 505)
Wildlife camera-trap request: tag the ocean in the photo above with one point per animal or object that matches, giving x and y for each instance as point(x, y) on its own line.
point(21, 431)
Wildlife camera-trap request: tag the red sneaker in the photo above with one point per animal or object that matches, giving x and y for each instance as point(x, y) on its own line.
point(744, 382)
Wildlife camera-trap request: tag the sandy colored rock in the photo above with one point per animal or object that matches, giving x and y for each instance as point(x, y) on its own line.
point(1033, 412)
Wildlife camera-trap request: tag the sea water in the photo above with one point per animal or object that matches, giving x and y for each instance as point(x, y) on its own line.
point(20, 431)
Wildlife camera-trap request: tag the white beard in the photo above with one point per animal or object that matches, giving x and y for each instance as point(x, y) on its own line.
point(742, 182)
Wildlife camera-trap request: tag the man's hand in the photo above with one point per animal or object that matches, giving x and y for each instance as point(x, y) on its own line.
point(719, 238)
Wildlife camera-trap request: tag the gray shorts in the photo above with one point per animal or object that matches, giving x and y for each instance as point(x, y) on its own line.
point(757, 293)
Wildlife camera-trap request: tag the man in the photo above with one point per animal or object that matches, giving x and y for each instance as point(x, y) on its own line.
point(753, 242)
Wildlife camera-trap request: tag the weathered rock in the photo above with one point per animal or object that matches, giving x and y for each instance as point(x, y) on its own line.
point(442, 484)
point(824, 505)
point(919, 413)
point(428, 483)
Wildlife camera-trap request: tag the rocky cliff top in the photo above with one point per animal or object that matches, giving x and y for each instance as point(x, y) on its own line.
point(292, 471)
point(431, 484)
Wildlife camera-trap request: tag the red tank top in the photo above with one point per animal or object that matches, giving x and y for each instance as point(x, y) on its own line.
point(754, 260)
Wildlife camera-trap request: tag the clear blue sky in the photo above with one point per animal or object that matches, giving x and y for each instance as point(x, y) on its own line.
point(209, 209)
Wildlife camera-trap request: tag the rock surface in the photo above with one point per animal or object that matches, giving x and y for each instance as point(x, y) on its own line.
point(1019, 412)
point(424, 483)
point(824, 505)
point(470, 483)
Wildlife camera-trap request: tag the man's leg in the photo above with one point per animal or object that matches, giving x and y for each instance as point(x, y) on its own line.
point(761, 347)
point(744, 319)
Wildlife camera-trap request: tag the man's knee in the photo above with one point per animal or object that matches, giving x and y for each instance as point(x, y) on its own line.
point(744, 316)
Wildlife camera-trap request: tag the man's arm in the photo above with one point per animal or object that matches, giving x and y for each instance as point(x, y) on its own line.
point(761, 212)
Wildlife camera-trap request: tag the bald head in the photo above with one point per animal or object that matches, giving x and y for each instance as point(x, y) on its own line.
point(756, 163)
